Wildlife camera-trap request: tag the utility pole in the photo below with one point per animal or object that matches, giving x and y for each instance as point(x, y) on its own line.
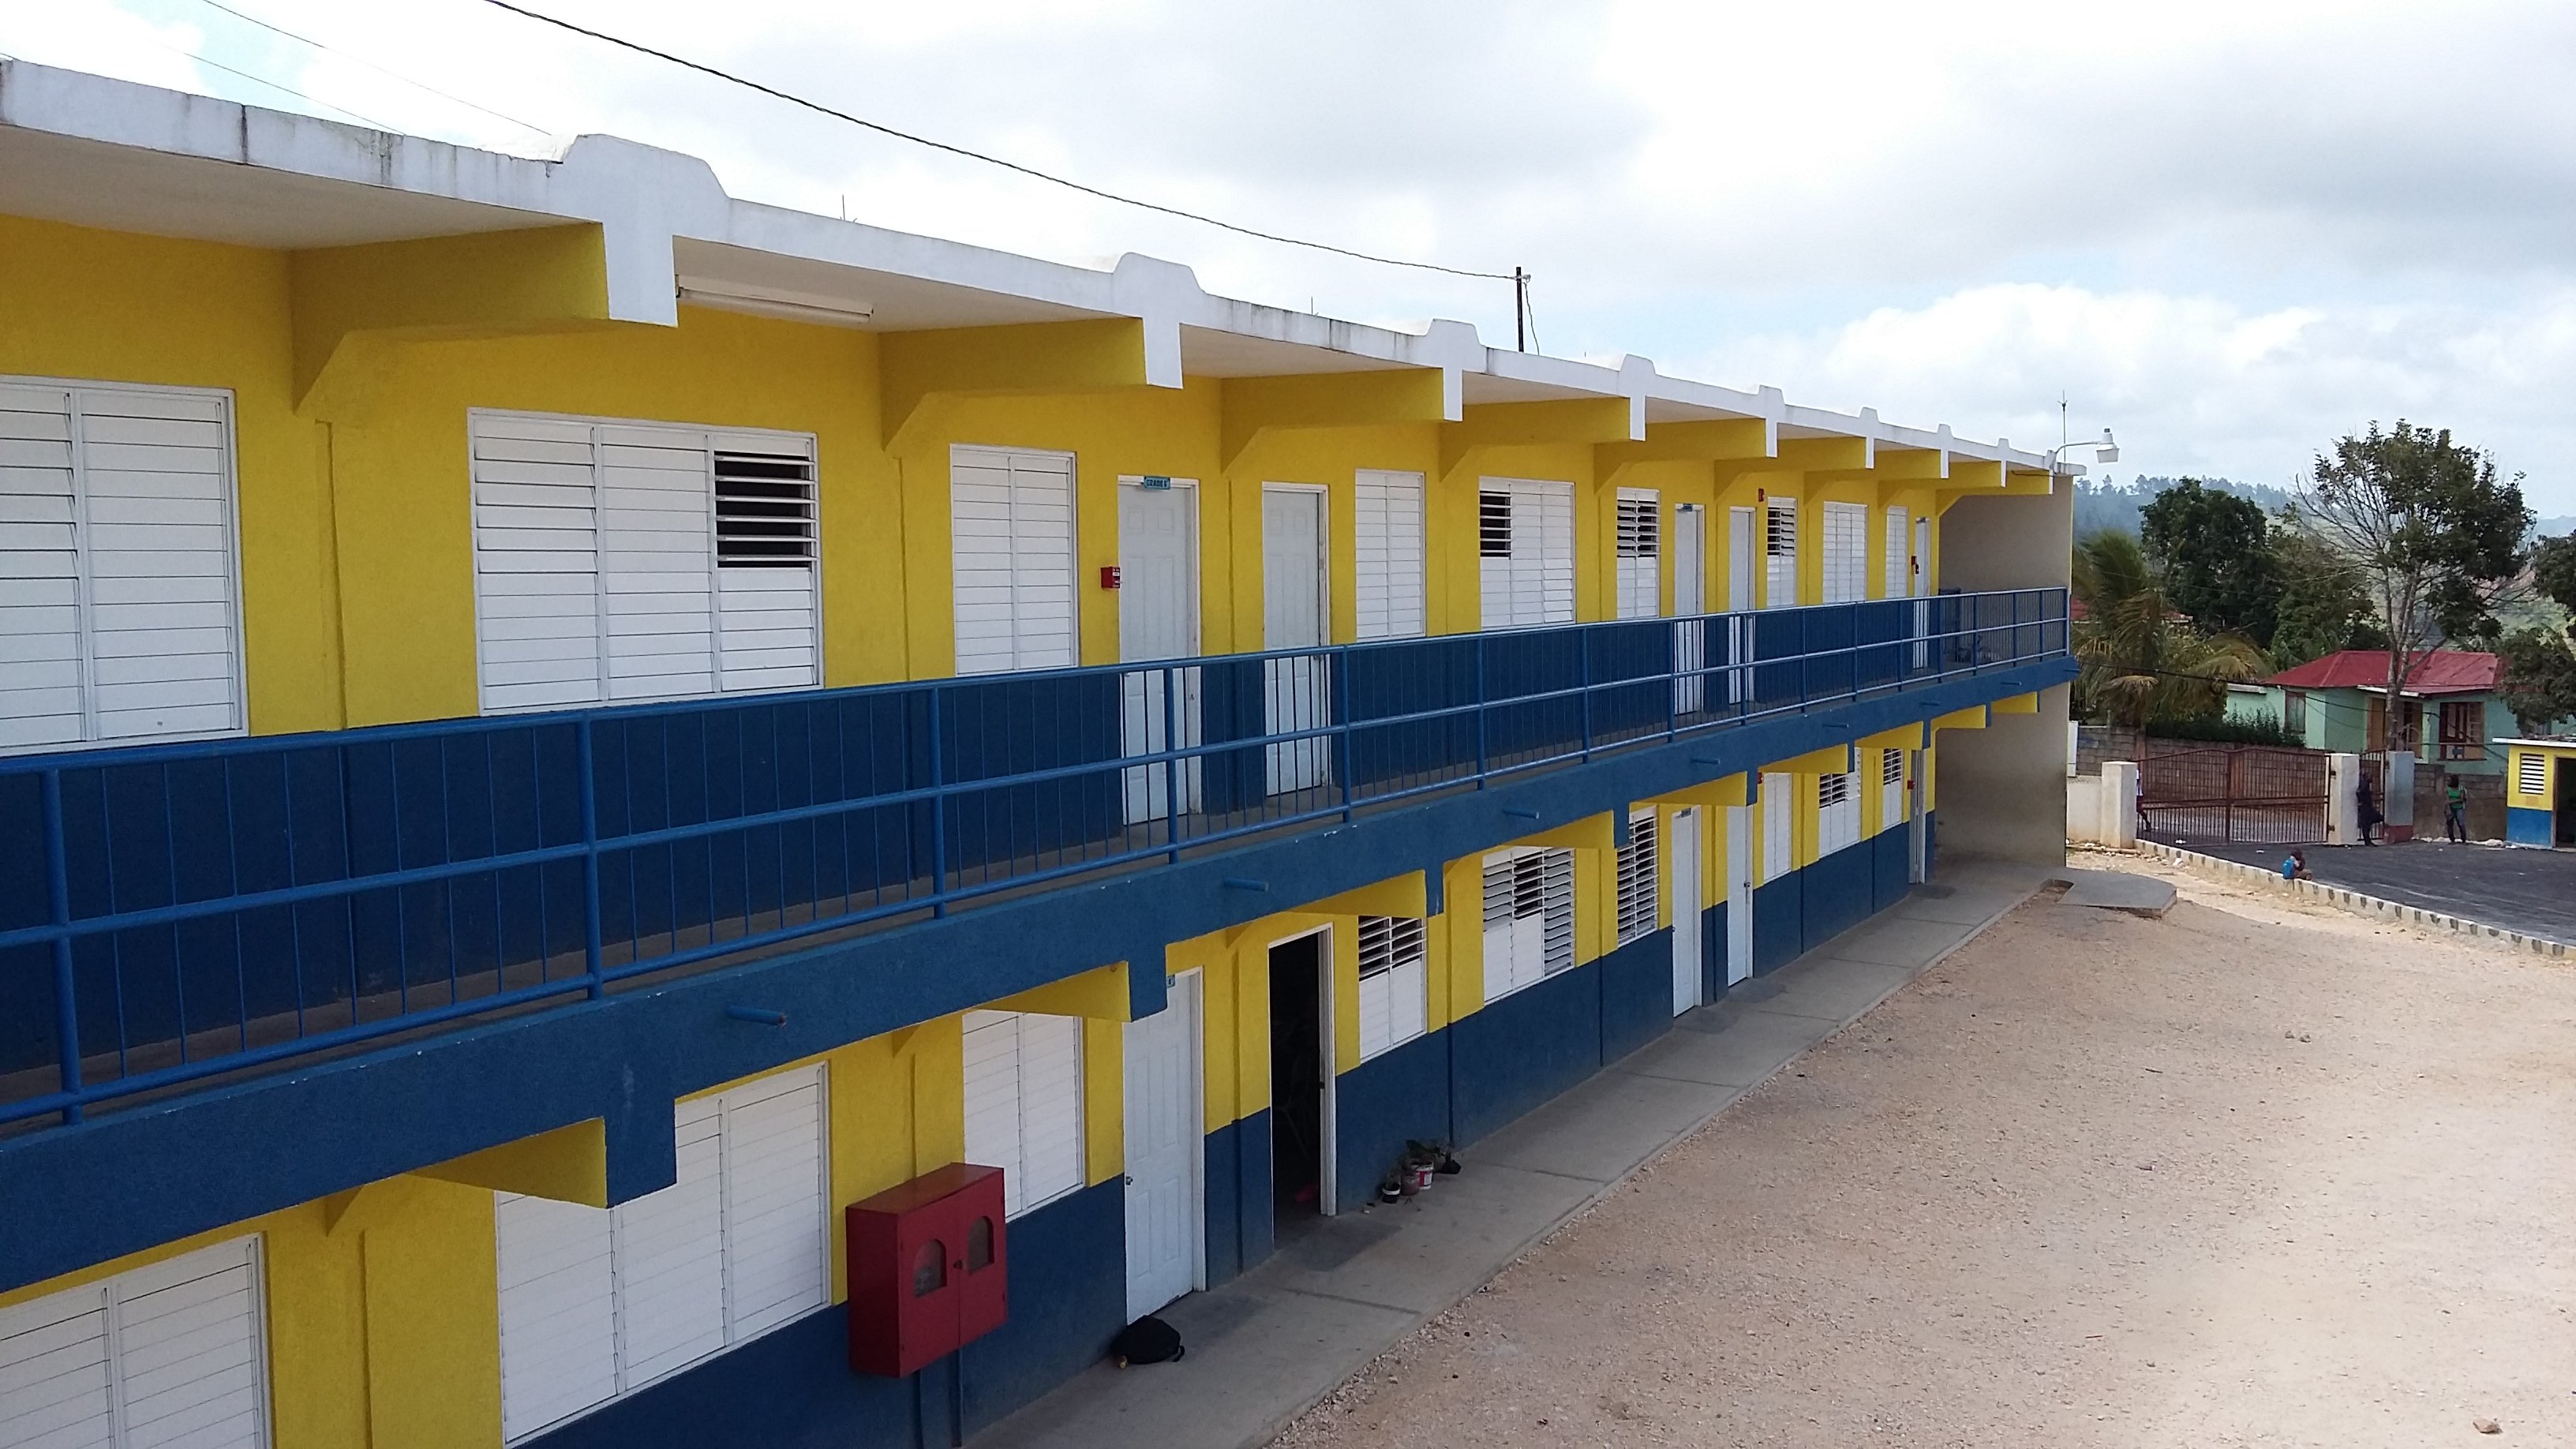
point(1520, 310)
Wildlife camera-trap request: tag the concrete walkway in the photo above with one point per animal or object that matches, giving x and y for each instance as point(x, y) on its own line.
point(1266, 1346)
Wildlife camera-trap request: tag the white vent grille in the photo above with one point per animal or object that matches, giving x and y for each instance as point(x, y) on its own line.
point(2531, 773)
point(1388, 542)
point(1640, 546)
point(597, 1303)
point(1638, 912)
point(173, 1354)
point(119, 591)
point(1529, 918)
point(765, 511)
point(1780, 553)
point(1024, 1103)
point(1896, 567)
point(1846, 561)
point(1838, 818)
point(1393, 984)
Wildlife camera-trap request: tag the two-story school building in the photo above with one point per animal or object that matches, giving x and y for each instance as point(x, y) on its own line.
point(570, 746)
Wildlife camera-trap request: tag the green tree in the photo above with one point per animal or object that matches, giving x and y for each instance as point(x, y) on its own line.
point(2139, 658)
point(2539, 667)
point(2435, 534)
point(2539, 679)
point(2215, 550)
point(2324, 606)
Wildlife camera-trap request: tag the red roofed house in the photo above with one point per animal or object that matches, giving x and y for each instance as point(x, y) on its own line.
point(2449, 708)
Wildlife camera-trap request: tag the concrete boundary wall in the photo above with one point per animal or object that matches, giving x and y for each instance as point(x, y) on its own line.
point(2345, 898)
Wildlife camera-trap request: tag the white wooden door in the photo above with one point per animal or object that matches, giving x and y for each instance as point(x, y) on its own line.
point(1164, 1203)
point(1158, 618)
point(1686, 909)
point(1740, 525)
point(1690, 600)
point(1296, 691)
point(1739, 893)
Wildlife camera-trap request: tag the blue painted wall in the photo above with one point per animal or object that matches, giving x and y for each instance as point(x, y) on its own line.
point(1887, 865)
point(1515, 1053)
point(1835, 892)
point(794, 1389)
point(1389, 1100)
point(2527, 827)
point(1636, 994)
point(1240, 1231)
point(288, 1137)
point(1779, 922)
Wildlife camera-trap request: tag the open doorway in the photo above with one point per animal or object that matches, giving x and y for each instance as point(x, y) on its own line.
point(2563, 814)
point(1301, 1175)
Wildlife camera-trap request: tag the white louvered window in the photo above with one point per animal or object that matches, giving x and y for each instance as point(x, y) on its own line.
point(599, 1303)
point(1779, 801)
point(120, 592)
point(618, 561)
point(1838, 813)
point(170, 1355)
point(1010, 518)
point(1638, 912)
point(1846, 561)
point(1525, 539)
point(1391, 583)
point(1394, 983)
point(1024, 1103)
point(1891, 787)
point(1779, 553)
point(1640, 547)
point(1898, 565)
point(2531, 773)
point(1529, 918)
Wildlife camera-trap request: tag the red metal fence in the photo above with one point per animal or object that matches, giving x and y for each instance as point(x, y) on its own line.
point(2256, 793)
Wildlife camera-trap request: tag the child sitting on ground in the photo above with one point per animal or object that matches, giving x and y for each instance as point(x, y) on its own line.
point(2296, 867)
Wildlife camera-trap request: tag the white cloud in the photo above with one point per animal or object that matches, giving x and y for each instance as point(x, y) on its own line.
point(2232, 230)
point(2198, 384)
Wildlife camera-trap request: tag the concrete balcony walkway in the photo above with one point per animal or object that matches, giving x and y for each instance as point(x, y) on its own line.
point(1267, 1345)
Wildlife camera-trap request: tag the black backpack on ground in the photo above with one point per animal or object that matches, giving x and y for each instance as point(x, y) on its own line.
point(1147, 1340)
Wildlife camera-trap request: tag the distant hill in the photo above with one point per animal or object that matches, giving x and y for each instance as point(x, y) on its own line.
point(2117, 505)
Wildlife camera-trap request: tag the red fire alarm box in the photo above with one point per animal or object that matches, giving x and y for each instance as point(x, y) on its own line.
point(928, 1269)
point(1110, 576)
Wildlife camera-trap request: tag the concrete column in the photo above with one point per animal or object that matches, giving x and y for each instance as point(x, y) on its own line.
point(2074, 746)
point(2397, 796)
point(2343, 812)
point(2120, 804)
point(2001, 789)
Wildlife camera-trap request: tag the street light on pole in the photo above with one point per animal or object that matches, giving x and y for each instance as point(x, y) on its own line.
point(2105, 451)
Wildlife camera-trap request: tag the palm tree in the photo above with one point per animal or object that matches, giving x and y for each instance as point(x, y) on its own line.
point(2140, 659)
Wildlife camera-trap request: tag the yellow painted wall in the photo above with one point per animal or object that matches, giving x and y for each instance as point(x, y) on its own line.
point(1331, 457)
point(400, 482)
point(117, 307)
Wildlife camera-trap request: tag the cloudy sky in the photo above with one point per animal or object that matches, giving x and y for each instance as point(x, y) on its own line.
point(2231, 231)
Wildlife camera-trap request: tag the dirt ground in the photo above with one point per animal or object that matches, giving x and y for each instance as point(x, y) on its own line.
point(2258, 1173)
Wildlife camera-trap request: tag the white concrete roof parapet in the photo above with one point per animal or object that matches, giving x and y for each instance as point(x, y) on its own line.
point(99, 152)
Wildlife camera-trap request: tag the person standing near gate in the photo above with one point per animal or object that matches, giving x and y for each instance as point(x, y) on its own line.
point(2370, 816)
point(2455, 811)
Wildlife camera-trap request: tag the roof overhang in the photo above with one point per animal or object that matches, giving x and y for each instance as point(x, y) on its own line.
point(91, 151)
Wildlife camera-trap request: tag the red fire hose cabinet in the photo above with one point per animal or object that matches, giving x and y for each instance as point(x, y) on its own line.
point(928, 1269)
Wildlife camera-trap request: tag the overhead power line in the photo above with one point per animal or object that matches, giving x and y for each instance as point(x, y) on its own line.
point(972, 155)
point(276, 29)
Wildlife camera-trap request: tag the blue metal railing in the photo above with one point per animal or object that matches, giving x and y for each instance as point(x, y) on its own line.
point(173, 912)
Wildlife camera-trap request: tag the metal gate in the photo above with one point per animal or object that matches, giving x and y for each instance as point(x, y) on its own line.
point(2254, 793)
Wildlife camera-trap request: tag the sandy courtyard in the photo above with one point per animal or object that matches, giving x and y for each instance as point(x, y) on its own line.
point(2256, 1173)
